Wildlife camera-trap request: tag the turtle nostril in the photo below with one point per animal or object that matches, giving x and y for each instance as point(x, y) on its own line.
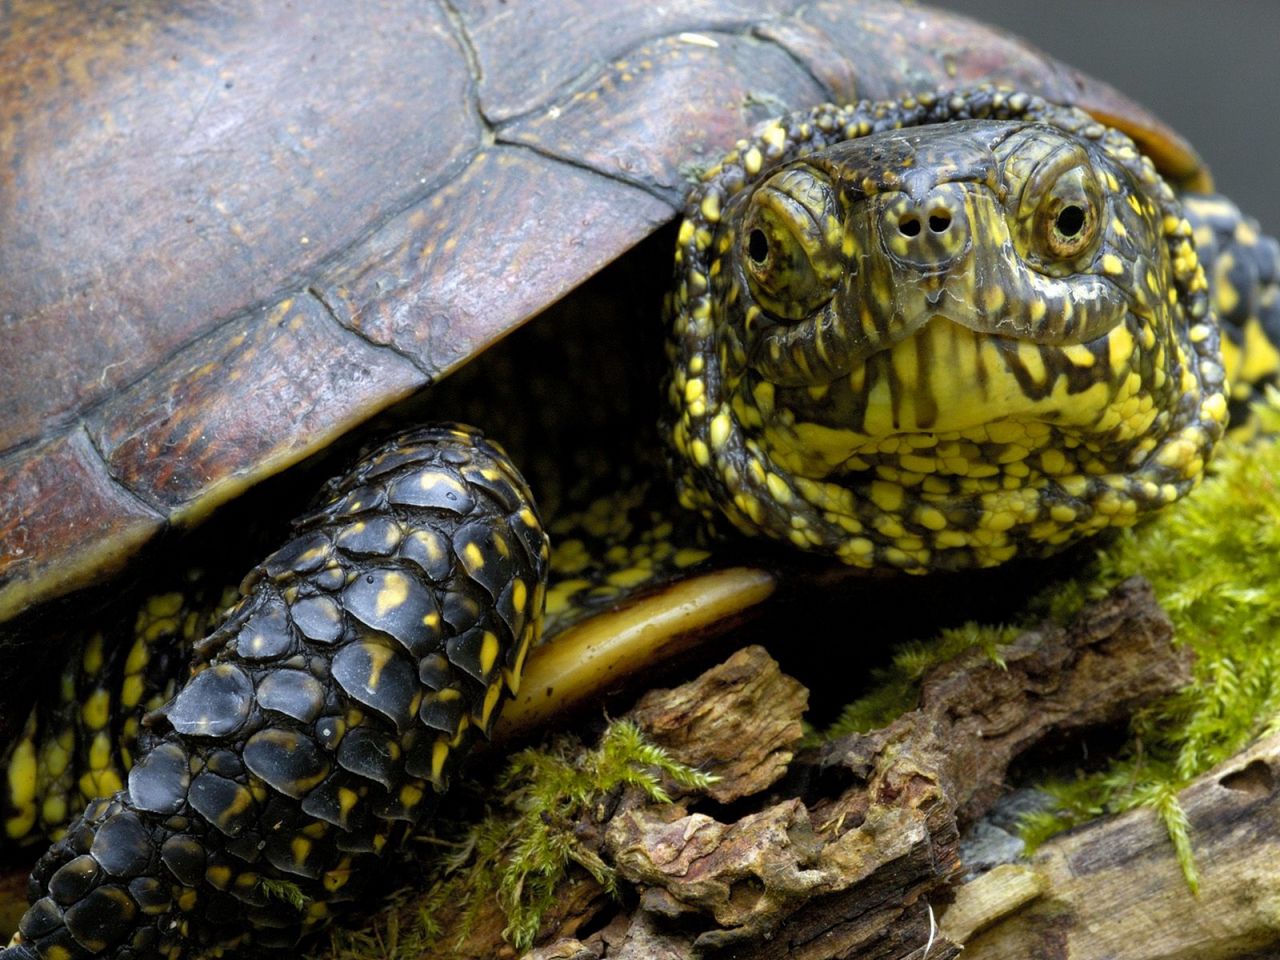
point(939, 221)
point(909, 226)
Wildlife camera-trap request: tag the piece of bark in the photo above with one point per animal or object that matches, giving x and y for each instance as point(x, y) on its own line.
point(739, 721)
point(849, 868)
point(1113, 890)
point(976, 715)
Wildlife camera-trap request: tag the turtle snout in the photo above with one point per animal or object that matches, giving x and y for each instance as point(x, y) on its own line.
point(927, 233)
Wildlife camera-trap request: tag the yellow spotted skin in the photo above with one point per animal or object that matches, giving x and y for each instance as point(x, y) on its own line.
point(939, 334)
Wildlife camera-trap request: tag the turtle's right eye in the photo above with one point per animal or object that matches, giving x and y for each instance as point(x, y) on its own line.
point(790, 241)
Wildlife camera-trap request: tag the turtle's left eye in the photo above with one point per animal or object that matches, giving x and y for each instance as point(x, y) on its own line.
point(1066, 223)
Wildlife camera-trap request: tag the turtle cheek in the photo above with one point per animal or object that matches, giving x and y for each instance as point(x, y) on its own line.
point(852, 323)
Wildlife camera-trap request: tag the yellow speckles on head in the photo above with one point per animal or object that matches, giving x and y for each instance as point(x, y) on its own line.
point(561, 595)
point(710, 207)
point(1120, 347)
point(629, 577)
point(570, 556)
point(752, 161)
point(689, 556)
point(1112, 265)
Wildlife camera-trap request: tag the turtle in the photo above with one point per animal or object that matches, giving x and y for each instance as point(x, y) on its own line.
point(959, 320)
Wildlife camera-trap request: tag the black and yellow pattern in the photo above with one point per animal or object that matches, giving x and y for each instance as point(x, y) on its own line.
point(939, 333)
point(320, 718)
point(1243, 267)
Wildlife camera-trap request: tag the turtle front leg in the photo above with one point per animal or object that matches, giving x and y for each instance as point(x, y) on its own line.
point(321, 718)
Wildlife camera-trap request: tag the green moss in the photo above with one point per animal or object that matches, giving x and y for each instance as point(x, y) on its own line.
point(523, 848)
point(895, 687)
point(285, 891)
point(1214, 561)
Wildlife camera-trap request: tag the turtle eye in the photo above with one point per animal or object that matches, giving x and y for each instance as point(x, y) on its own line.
point(1067, 220)
point(790, 244)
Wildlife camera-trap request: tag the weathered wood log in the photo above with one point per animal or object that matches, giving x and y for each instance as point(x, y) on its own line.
point(1113, 890)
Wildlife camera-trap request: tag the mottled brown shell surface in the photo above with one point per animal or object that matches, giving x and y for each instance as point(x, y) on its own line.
point(231, 233)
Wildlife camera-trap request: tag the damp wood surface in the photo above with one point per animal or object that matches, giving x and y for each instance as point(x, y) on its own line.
point(853, 849)
point(1113, 890)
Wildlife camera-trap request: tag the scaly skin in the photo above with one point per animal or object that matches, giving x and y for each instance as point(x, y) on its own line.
point(929, 348)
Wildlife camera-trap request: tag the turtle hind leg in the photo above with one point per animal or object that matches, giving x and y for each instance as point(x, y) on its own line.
point(1242, 266)
point(80, 737)
point(323, 715)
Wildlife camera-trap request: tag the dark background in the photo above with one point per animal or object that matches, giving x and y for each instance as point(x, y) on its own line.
point(1211, 68)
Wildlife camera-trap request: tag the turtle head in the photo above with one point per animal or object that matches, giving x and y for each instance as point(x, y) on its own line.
point(940, 333)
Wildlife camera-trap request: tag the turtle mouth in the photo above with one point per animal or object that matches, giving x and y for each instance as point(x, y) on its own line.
point(946, 397)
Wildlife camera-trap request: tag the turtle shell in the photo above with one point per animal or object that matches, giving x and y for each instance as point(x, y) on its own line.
point(231, 233)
